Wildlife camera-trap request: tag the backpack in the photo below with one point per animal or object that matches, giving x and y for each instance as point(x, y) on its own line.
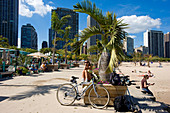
point(115, 79)
point(122, 104)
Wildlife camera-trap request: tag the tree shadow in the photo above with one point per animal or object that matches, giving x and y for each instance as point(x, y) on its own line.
point(5, 78)
point(150, 105)
point(38, 90)
point(2, 98)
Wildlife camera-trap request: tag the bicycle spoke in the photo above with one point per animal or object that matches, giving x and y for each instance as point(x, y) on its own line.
point(66, 94)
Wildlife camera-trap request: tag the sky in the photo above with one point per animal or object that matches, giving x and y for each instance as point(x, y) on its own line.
point(139, 14)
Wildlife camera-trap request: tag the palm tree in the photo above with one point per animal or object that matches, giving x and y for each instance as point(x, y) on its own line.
point(66, 40)
point(112, 34)
point(57, 25)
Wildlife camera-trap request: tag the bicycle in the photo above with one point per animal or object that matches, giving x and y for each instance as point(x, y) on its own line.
point(67, 93)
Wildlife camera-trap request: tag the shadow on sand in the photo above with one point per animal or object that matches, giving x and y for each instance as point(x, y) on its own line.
point(150, 105)
point(38, 90)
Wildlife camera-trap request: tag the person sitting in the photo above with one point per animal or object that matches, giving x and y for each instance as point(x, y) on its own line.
point(43, 67)
point(87, 72)
point(145, 84)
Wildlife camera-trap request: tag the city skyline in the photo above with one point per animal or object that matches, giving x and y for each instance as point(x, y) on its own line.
point(141, 16)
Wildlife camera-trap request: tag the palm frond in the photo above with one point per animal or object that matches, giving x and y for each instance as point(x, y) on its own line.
point(87, 7)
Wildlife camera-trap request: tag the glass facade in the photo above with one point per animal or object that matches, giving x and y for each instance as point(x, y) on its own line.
point(28, 37)
point(155, 43)
point(73, 22)
point(9, 20)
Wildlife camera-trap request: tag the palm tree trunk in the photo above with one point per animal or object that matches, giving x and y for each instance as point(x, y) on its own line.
point(54, 48)
point(102, 65)
point(65, 55)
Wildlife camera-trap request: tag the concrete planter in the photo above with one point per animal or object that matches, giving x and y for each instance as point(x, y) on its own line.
point(114, 91)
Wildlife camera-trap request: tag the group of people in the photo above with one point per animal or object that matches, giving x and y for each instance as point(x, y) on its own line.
point(34, 67)
point(87, 75)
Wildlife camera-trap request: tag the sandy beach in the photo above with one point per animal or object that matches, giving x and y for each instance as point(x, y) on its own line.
point(161, 78)
point(37, 93)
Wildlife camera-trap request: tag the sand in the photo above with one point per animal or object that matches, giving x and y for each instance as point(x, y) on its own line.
point(161, 89)
point(37, 93)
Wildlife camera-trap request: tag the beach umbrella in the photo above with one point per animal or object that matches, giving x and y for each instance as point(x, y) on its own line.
point(37, 55)
point(4, 56)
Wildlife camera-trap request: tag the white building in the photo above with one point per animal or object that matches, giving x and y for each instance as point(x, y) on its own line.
point(154, 40)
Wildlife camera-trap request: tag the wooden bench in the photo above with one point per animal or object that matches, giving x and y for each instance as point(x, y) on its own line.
point(51, 67)
point(6, 74)
point(76, 65)
point(64, 66)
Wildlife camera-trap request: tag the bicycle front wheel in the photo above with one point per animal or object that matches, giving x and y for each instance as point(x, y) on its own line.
point(66, 94)
point(99, 97)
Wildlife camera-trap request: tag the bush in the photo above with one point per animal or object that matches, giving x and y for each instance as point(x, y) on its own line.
point(22, 70)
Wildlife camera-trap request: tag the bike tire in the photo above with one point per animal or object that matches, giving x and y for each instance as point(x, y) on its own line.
point(99, 102)
point(63, 94)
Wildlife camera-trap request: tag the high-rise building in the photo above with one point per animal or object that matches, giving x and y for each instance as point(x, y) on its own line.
point(154, 41)
point(9, 20)
point(28, 37)
point(73, 22)
point(142, 49)
point(92, 40)
point(128, 44)
point(167, 45)
point(51, 35)
point(44, 44)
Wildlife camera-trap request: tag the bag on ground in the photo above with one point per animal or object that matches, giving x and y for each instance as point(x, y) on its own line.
point(122, 104)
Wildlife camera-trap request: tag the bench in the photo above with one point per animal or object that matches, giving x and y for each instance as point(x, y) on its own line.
point(6, 74)
point(64, 66)
point(76, 65)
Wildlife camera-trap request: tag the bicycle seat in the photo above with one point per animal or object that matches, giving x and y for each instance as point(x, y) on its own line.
point(75, 77)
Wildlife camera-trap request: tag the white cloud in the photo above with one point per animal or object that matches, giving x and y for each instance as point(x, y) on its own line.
point(132, 36)
point(50, 2)
point(30, 7)
point(139, 24)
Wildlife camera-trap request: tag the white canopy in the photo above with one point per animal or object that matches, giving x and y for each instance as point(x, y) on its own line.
point(37, 55)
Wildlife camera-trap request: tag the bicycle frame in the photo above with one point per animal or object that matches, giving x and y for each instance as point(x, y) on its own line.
point(77, 91)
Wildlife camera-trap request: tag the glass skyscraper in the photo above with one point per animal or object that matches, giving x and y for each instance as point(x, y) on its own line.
point(73, 22)
point(28, 37)
point(128, 44)
point(154, 40)
point(9, 20)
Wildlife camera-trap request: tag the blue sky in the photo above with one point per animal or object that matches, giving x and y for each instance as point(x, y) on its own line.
point(139, 14)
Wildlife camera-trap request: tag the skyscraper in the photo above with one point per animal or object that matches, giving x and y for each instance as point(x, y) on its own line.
point(73, 22)
point(44, 44)
point(167, 45)
point(28, 37)
point(154, 41)
point(9, 20)
point(128, 44)
point(92, 40)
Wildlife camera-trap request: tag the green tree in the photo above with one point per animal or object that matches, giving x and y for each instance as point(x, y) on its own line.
point(66, 40)
point(112, 34)
point(45, 50)
point(4, 42)
point(57, 24)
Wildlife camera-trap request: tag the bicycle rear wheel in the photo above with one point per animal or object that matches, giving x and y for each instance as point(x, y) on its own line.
point(66, 94)
point(99, 98)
